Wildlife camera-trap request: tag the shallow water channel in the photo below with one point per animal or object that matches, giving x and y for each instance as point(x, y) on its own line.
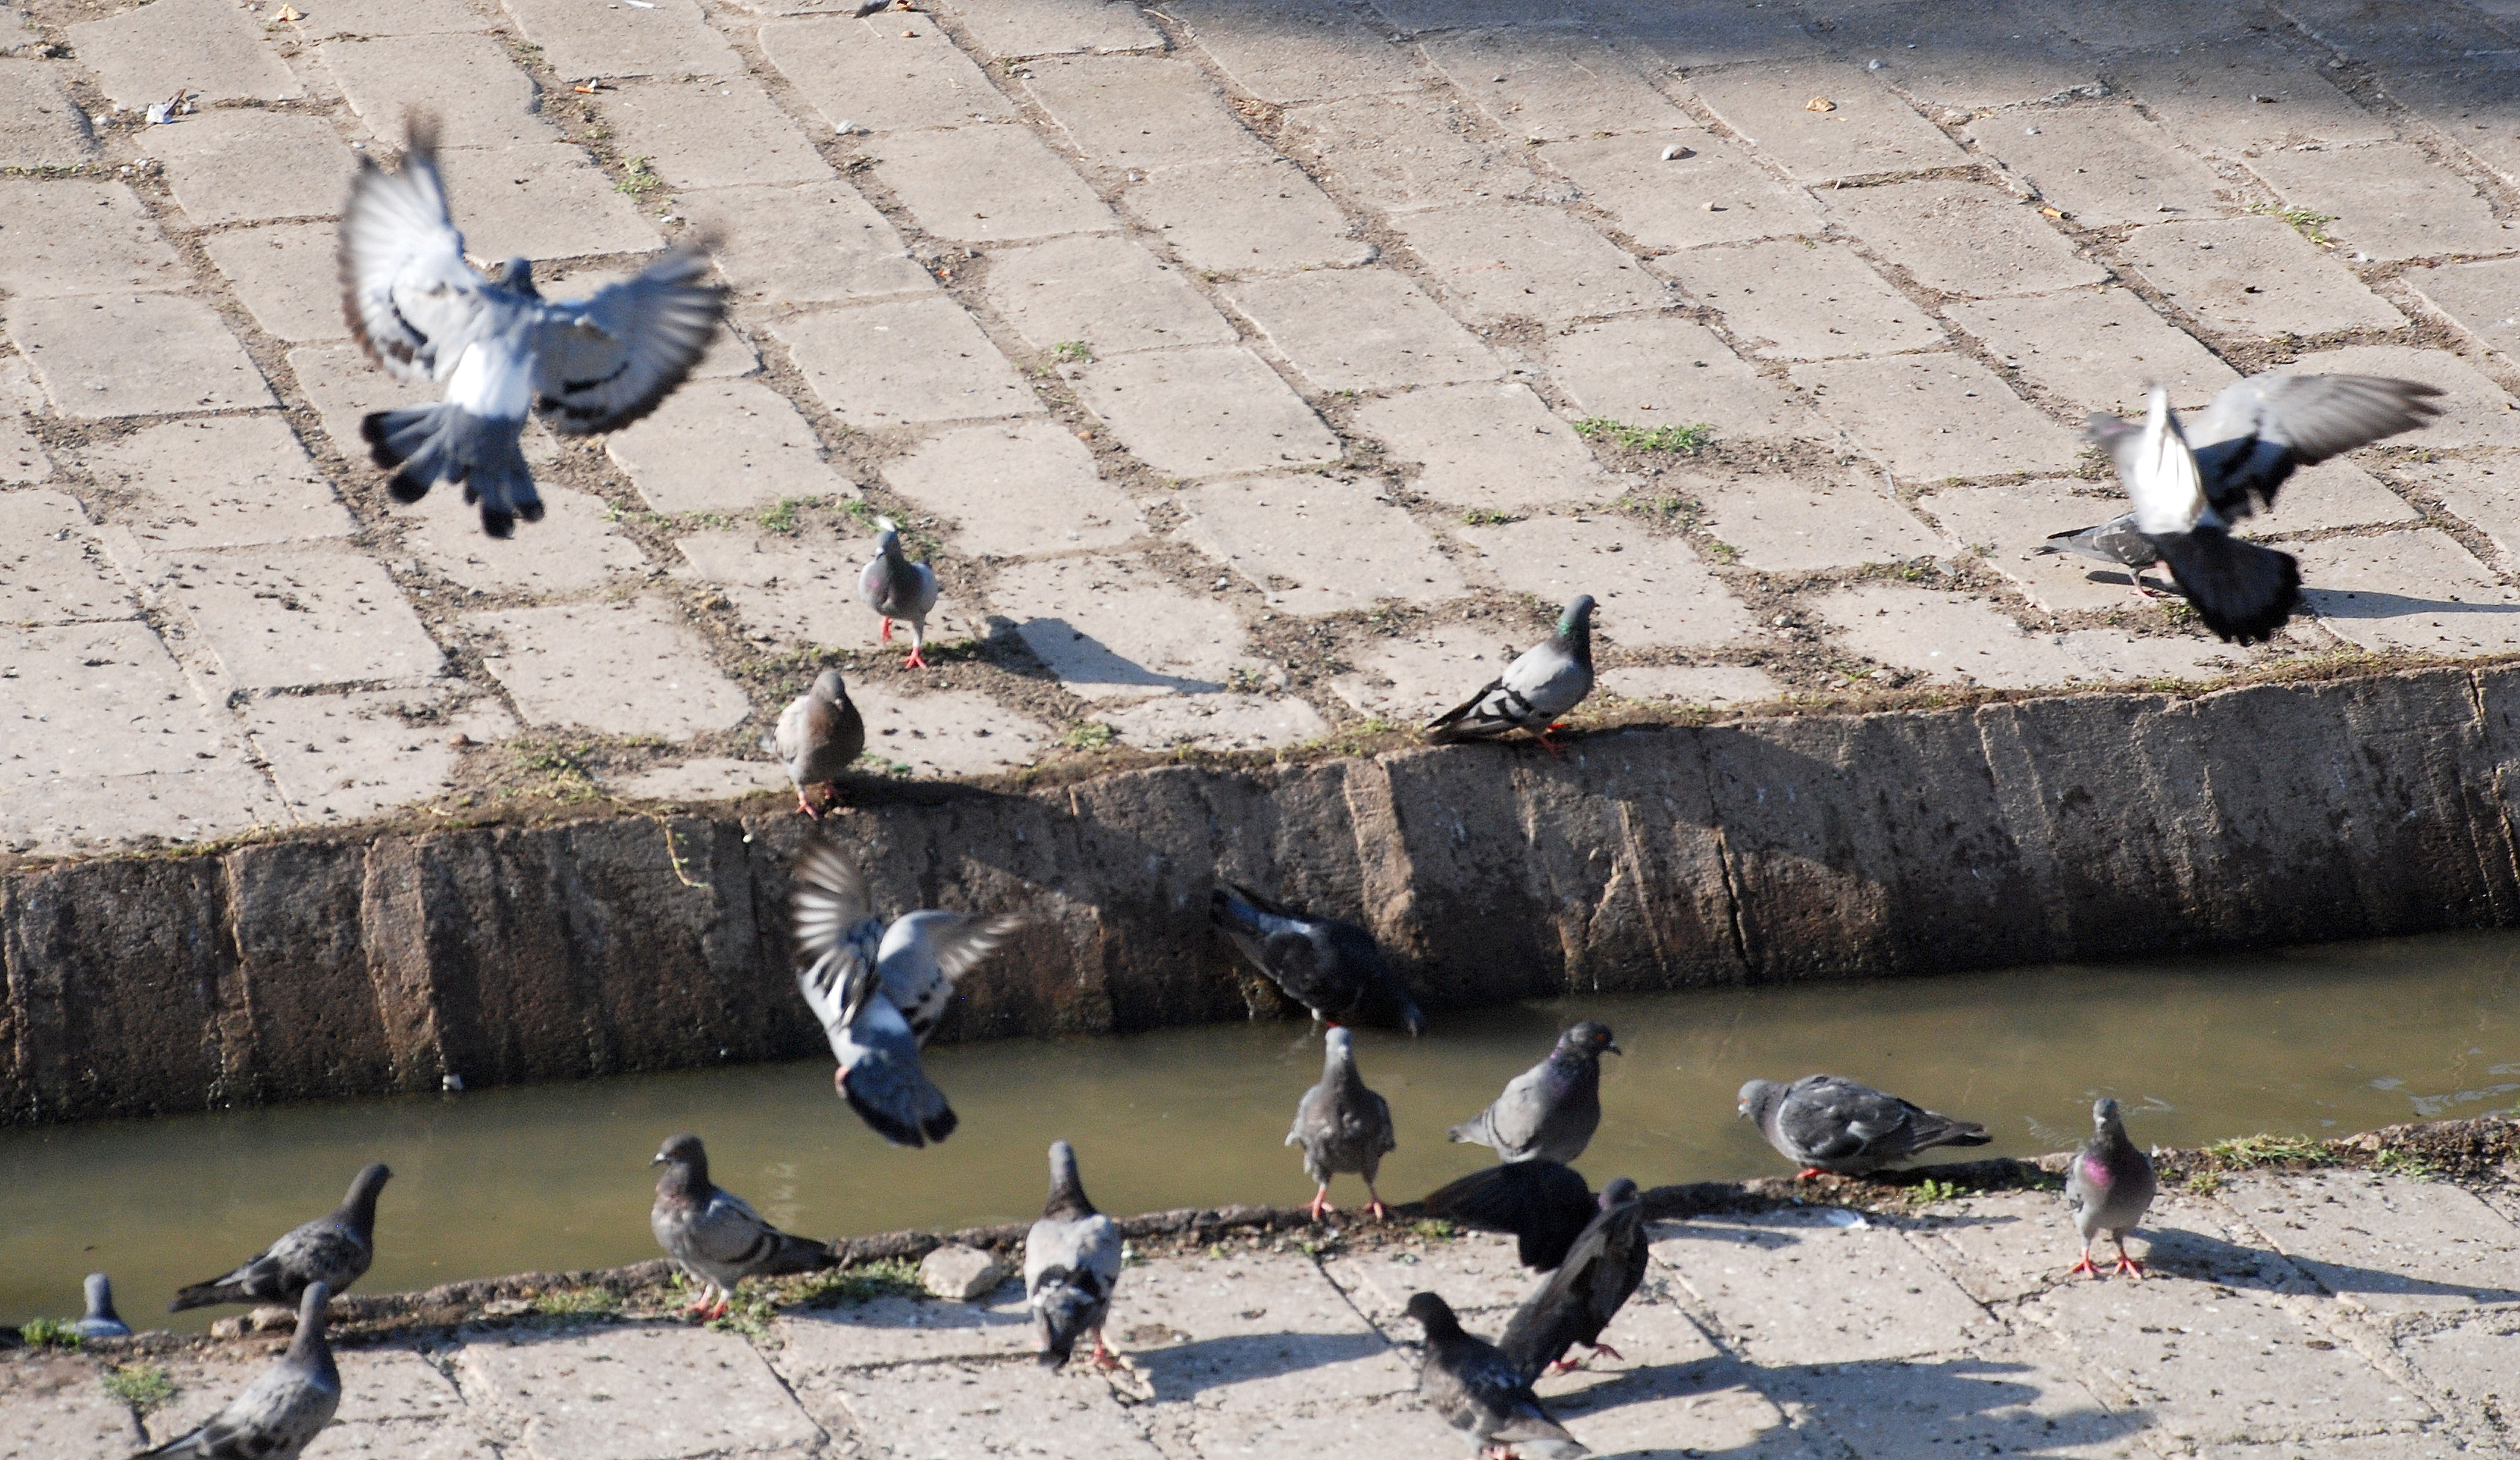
point(2326, 1039)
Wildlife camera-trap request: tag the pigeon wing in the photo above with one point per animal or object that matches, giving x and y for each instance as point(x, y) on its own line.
point(881, 1079)
point(606, 360)
point(733, 1236)
point(965, 942)
point(1836, 1119)
point(406, 289)
point(1543, 1204)
point(322, 1250)
point(2257, 430)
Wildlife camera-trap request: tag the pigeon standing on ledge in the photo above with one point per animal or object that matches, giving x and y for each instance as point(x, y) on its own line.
point(1543, 1204)
point(1550, 679)
point(101, 1320)
point(821, 735)
point(897, 588)
point(283, 1410)
point(1331, 968)
point(1550, 1111)
point(334, 1250)
point(1071, 1264)
point(2109, 1188)
point(1342, 1127)
point(1822, 1122)
point(1475, 1388)
point(713, 1236)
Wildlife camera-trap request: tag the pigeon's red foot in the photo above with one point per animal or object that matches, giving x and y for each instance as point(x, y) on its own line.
point(706, 1309)
point(888, 630)
point(1382, 1213)
point(1606, 1349)
point(1808, 1174)
point(2085, 1265)
point(1103, 1358)
point(1322, 1206)
point(1566, 1366)
point(914, 662)
point(2128, 1266)
point(830, 798)
point(805, 808)
point(1556, 748)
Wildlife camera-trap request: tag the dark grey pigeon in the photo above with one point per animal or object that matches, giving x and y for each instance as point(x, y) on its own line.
point(897, 588)
point(1333, 968)
point(1342, 1127)
point(1599, 1275)
point(1071, 1264)
point(2109, 1188)
point(1550, 1111)
point(821, 735)
point(334, 1250)
point(713, 1236)
point(1543, 1204)
point(102, 1321)
point(1823, 1124)
point(2113, 541)
point(1550, 679)
point(286, 1406)
point(1478, 1390)
point(423, 313)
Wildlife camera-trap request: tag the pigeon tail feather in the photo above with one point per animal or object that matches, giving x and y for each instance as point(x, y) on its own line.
point(425, 445)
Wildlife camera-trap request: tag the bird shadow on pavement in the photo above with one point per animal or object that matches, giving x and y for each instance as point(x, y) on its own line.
point(1074, 657)
point(2178, 1253)
point(1184, 1370)
point(2362, 603)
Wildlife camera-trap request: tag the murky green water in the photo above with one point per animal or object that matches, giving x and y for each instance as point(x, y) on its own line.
point(2328, 1039)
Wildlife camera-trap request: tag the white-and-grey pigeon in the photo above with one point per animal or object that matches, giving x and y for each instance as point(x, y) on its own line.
point(880, 991)
point(897, 588)
point(1342, 1127)
point(1550, 679)
point(713, 1236)
point(1333, 969)
point(1543, 1204)
point(423, 313)
point(283, 1410)
point(334, 1250)
point(2109, 1187)
point(1475, 1388)
point(1550, 1111)
point(821, 735)
point(101, 1320)
point(1071, 1264)
point(1822, 1122)
point(1600, 1273)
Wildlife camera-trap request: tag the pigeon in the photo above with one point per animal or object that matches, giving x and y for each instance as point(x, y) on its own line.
point(1342, 1127)
point(1599, 1274)
point(1543, 1204)
point(821, 734)
point(2113, 541)
point(333, 1249)
point(1550, 1110)
point(897, 588)
point(879, 991)
point(1823, 1124)
point(423, 313)
point(1071, 1263)
point(102, 1321)
point(713, 1237)
point(1550, 679)
point(1333, 968)
point(286, 1406)
point(1476, 1389)
point(2109, 1188)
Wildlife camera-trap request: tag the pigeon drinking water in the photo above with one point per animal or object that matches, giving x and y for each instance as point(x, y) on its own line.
point(897, 588)
point(1342, 1127)
point(1543, 1204)
point(821, 735)
point(1476, 1389)
point(102, 1321)
point(286, 1406)
point(1071, 1264)
point(713, 1237)
point(2109, 1187)
point(1600, 1273)
point(423, 313)
point(1333, 968)
point(1550, 1110)
point(1550, 679)
point(334, 1250)
point(1823, 1124)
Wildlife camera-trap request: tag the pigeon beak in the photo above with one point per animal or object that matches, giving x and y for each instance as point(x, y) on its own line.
point(656, 1159)
point(1614, 1049)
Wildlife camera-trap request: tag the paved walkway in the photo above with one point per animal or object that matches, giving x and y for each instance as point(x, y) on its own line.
point(1249, 370)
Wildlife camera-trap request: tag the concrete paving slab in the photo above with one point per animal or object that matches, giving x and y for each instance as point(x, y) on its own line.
point(1254, 215)
point(2475, 411)
point(389, 17)
point(1997, 55)
point(2482, 299)
point(2007, 522)
point(1795, 1289)
point(1204, 412)
point(1317, 544)
point(710, 131)
point(221, 482)
point(1711, 686)
point(1009, 28)
point(582, 39)
point(885, 1330)
point(1713, 193)
point(89, 815)
point(1118, 629)
point(628, 668)
point(1653, 592)
point(1218, 722)
point(1659, 370)
point(23, 461)
point(1782, 525)
point(153, 52)
point(478, 95)
point(901, 364)
point(1139, 112)
point(108, 355)
point(1311, 52)
point(545, 201)
point(987, 184)
point(813, 244)
point(2469, 1364)
point(1955, 638)
point(2469, 101)
point(1362, 330)
point(1248, 1331)
point(344, 386)
point(703, 778)
point(1500, 262)
point(1406, 151)
point(1551, 86)
point(1984, 428)
point(270, 268)
point(1865, 129)
point(51, 568)
point(2244, 95)
point(1666, 1413)
point(340, 758)
point(882, 77)
point(2004, 1246)
point(59, 1407)
point(2407, 590)
point(1799, 299)
point(2437, 1444)
point(2387, 199)
point(249, 166)
point(1018, 488)
point(796, 592)
point(1964, 238)
point(2101, 350)
point(573, 549)
point(96, 237)
point(2479, 490)
point(1990, 1404)
point(2253, 277)
point(90, 674)
point(41, 125)
point(725, 447)
point(1700, 37)
point(2104, 165)
point(1410, 682)
point(1105, 291)
point(637, 1393)
point(1475, 1271)
point(2386, 1246)
point(957, 1408)
point(1495, 447)
point(2332, 494)
point(299, 621)
point(1385, 1425)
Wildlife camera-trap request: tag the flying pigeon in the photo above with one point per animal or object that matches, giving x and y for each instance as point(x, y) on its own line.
point(286, 1406)
point(1071, 1263)
point(1333, 968)
point(1823, 1124)
point(1543, 1204)
point(333, 1249)
point(102, 1321)
point(1550, 1110)
point(423, 313)
point(2109, 1188)
point(1342, 1127)
point(821, 734)
point(897, 588)
point(1550, 679)
point(2188, 491)
point(1599, 1275)
point(879, 991)
point(713, 1236)
point(1476, 1389)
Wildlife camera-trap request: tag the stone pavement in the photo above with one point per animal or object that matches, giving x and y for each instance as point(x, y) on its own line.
point(1250, 371)
point(2335, 1315)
